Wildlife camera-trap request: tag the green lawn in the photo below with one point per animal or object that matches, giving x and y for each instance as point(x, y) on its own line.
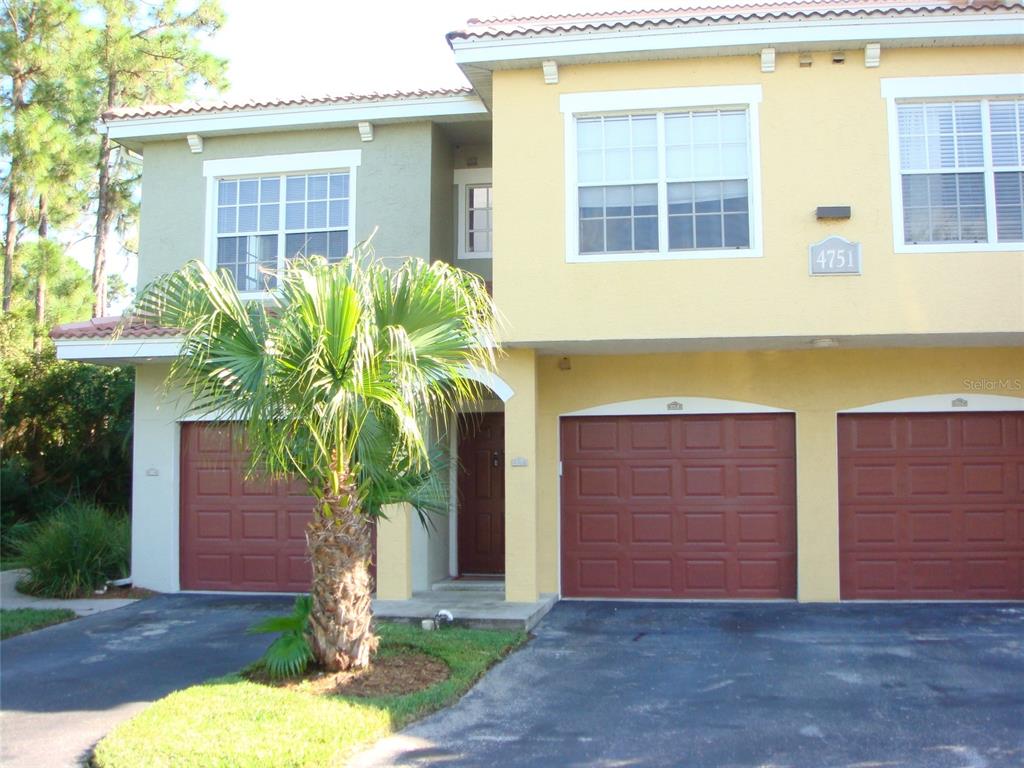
point(231, 722)
point(17, 621)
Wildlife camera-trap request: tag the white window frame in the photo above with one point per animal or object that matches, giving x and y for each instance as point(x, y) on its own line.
point(465, 179)
point(304, 162)
point(976, 87)
point(596, 103)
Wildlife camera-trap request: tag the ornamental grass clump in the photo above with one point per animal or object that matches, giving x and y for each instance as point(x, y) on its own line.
point(73, 551)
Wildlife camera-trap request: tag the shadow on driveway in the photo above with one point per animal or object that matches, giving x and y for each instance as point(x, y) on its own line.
point(66, 686)
point(717, 685)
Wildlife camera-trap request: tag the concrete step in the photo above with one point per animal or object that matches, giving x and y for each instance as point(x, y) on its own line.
point(469, 585)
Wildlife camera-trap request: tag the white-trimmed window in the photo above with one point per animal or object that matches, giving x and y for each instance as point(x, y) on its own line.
point(259, 220)
point(475, 195)
point(662, 174)
point(958, 162)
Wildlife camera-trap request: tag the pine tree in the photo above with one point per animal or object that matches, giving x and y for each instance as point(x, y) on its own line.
point(146, 52)
point(47, 127)
point(39, 43)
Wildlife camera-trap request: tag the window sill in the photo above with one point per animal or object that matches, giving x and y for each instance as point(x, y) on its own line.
point(265, 296)
point(958, 247)
point(717, 253)
point(473, 257)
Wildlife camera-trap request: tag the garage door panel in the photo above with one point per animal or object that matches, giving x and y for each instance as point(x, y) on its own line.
point(706, 577)
point(598, 574)
point(869, 479)
point(938, 518)
point(654, 435)
point(925, 434)
point(710, 520)
point(215, 569)
point(652, 528)
point(650, 481)
point(597, 437)
point(758, 576)
point(933, 528)
point(933, 478)
point(600, 527)
point(238, 532)
point(595, 482)
point(653, 575)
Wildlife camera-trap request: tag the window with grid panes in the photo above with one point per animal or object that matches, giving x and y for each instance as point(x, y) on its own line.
point(479, 206)
point(962, 170)
point(689, 168)
point(264, 221)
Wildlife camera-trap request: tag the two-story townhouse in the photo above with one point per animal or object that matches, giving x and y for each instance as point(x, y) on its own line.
point(762, 271)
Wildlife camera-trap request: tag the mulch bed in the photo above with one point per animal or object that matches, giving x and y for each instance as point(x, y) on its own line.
point(396, 674)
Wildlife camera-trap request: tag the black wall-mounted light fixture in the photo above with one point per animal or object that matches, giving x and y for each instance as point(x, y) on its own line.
point(832, 212)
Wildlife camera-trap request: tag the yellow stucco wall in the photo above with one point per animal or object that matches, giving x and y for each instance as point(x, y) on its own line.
point(823, 140)
point(815, 384)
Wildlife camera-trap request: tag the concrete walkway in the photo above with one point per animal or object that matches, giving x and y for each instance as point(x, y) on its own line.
point(479, 605)
point(11, 598)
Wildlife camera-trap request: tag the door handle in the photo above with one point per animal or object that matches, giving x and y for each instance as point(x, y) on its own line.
point(496, 458)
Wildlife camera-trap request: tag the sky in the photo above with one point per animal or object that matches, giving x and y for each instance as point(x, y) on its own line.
point(317, 47)
point(334, 47)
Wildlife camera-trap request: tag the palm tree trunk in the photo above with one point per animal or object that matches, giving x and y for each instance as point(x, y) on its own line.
point(340, 549)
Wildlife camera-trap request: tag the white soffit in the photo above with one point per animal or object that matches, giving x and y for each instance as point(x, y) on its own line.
point(122, 351)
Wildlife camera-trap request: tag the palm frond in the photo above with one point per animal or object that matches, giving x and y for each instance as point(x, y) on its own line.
point(337, 378)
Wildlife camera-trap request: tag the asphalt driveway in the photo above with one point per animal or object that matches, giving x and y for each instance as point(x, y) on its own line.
point(64, 687)
point(770, 685)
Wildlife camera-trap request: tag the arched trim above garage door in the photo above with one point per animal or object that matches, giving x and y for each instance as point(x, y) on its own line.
point(956, 401)
point(656, 406)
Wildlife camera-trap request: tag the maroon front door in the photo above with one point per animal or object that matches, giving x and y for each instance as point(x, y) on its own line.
point(679, 506)
point(931, 506)
point(481, 518)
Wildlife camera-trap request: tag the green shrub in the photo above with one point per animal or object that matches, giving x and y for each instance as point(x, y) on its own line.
point(65, 429)
point(73, 551)
point(289, 654)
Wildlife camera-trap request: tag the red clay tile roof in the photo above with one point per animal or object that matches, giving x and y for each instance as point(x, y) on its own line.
point(104, 327)
point(209, 107)
point(733, 13)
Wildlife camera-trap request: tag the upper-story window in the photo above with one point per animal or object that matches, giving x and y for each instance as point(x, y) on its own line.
point(475, 197)
point(947, 149)
point(261, 220)
point(958, 163)
point(657, 183)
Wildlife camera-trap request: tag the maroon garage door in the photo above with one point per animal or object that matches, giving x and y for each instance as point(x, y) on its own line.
point(931, 506)
point(238, 533)
point(679, 506)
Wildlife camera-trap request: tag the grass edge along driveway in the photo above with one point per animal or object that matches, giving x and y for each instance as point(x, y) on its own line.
point(232, 722)
point(18, 621)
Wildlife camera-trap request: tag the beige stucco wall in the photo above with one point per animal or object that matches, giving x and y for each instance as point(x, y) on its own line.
point(813, 384)
point(393, 189)
point(824, 141)
point(156, 482)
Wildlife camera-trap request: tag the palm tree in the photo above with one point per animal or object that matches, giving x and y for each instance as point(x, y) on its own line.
point(335, 379)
